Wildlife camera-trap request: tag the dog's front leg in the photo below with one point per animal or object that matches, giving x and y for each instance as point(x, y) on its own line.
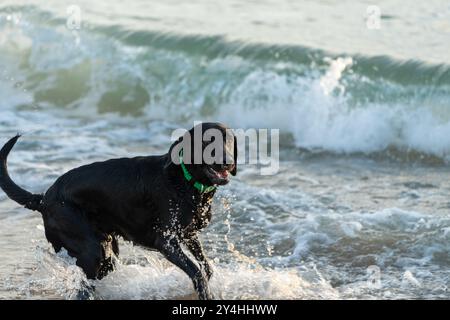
point(195, 247)
point(172, 250)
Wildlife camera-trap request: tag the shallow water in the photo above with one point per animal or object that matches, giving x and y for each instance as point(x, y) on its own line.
point(360, 206)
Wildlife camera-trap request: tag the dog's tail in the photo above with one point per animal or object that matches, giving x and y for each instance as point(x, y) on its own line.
point(16, 193)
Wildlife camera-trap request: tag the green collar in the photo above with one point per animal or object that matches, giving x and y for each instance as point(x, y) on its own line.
point(197, 185)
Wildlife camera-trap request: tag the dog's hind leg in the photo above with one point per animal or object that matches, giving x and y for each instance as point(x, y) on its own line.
point(67, 226)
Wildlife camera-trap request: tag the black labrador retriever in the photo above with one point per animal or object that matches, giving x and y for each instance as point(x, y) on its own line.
point(159, 202)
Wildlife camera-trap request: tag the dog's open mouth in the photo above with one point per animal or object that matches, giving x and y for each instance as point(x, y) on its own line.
point(222, 174)
point(219, 176)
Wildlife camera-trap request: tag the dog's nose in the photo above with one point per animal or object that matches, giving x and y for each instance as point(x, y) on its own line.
point(228, 167)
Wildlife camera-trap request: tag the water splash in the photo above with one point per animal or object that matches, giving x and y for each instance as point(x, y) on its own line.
point(330, 81)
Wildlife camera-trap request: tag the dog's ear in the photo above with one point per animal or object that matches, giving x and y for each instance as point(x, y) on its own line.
point(169, 161)
point(235, 155)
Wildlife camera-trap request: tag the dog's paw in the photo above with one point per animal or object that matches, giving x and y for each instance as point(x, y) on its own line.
point(86, 293)
point(205, 294)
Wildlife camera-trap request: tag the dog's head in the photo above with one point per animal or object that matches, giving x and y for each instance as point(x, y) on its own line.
point(208, 153)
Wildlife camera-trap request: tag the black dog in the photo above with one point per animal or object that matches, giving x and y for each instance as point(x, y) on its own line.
point(152, 201)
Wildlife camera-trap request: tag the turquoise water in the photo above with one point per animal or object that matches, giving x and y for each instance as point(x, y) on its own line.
point(364, 116)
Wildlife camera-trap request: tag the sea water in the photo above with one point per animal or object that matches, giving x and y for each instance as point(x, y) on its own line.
point(360, 207)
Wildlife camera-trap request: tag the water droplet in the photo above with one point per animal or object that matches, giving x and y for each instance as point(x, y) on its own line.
point(18, 84)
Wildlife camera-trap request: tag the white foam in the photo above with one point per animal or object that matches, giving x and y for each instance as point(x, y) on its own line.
point(409, 279)
point(156, 278)
point(330, 81)
point(229, 282)
point(56, 275)
point(317, 118)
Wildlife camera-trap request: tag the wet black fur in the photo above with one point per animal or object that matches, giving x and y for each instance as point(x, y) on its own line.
point(145, 200)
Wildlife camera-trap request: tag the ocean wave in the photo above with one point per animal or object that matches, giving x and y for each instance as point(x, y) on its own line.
point(336, 103)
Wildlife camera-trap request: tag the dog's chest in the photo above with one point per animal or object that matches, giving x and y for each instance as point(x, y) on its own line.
point(202, 216)
point(195, 214)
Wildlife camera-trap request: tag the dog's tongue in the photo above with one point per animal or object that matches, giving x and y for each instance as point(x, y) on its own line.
point(223, 174)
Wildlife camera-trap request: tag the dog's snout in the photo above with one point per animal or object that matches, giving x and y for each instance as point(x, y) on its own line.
point(227, 166)
point(229, 160)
